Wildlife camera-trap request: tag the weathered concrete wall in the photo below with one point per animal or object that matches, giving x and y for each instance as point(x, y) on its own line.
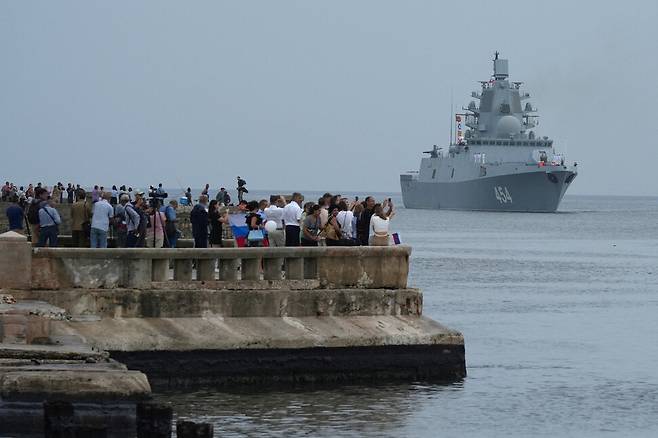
point(102, 391)
point(287, 314)
point(199, 302)
point(344, 267)
point(266, 349)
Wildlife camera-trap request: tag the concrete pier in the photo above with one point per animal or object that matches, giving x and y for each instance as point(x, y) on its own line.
point(250, 315)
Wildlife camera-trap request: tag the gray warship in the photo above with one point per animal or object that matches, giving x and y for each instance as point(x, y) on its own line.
point(496, 162)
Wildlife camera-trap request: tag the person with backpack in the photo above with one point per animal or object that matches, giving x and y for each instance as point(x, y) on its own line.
point(120, 224)
point(49, 221)
point(170, 225)
point(133, 220)
point(40, 195)
point(223, 197)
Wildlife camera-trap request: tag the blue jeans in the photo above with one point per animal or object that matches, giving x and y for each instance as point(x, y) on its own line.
point(98, 238)
point(48, 234)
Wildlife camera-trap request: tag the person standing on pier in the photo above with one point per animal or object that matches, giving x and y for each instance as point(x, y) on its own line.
point(292, 215)
point(170, 226)
point(155, 231)
point(215, 222)
point(120, 224)
point(199, 220)
point(40, 197)
point(363, 222)
point(15, 215)
point(95, 194)
point(223, 197)
point(81, 220)
point(311, 227)
point(133, 219)
point(379, 224)
point(274, 213)
point(102, 214)
point(70, 193)
point(49, 222)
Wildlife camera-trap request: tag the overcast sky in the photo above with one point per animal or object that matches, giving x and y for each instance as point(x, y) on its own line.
point(334, 95)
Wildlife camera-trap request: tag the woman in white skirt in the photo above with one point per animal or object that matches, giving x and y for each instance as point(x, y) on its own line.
point(379, 224)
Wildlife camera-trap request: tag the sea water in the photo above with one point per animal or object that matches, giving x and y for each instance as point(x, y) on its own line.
point(560, 318)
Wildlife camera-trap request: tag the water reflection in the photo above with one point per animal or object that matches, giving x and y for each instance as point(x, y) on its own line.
point(350, 410)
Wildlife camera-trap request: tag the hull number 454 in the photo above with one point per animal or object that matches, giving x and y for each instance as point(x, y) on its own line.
point(502, 194)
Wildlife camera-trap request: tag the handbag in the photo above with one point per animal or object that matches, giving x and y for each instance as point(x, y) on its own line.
point(255, 236)
point(329, 232)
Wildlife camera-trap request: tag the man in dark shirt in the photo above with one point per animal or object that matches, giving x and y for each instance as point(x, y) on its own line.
point(199, 220)
point(69, 193)
point(363, 221)
point(15, 215)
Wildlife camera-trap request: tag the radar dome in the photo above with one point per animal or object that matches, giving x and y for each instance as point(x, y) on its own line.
point(508, 126)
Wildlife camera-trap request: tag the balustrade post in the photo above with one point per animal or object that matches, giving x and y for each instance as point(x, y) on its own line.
point(205, 269)
point(272, 268)
point(251, 269)
point(137, 273)
point(310, 268)
point(183, 270)
point(228, 269)
point(160, 270)
point(294, 268)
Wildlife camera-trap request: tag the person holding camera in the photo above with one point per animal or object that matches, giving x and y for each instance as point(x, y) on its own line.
point(156, 225)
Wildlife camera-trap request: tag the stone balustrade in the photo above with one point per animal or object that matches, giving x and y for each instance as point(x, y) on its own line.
point(249, 268)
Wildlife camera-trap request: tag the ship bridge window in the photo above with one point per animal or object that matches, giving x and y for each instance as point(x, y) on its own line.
point(452, 174)
point(433, 173)
point(506, 143)
point(498, 143)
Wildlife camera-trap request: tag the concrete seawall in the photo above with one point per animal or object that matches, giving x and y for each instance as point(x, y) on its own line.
point(188, 317)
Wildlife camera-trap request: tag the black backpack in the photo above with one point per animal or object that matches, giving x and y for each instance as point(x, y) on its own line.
point(33, 212)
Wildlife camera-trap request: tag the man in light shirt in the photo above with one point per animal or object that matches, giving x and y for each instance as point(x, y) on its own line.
point(102, 214)
point(292, 215)
point(345, 219)
point(275, 213)
point(133, 220)
point(49, 221)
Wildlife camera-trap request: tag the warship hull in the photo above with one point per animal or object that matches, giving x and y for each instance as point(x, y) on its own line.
point(537, 191)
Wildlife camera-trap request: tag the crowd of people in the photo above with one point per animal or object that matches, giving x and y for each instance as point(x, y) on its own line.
point(138, 219)
point(332, 221)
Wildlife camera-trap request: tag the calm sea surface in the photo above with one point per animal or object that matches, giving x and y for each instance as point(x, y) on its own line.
point(560, 316)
